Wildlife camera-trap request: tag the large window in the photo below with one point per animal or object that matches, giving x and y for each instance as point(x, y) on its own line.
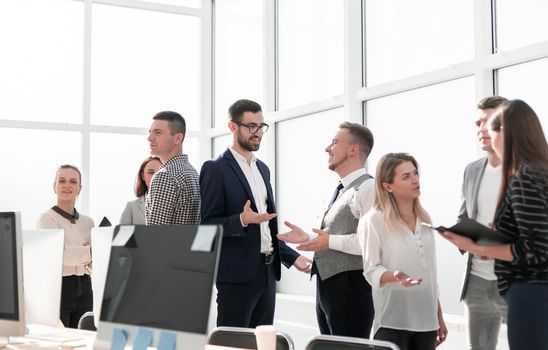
point(239, 54)
point(311, 51)
point(220, 144)
point(189, 3)
point(405, 37)
point(149, 64)
point(526, 82)
point(41, 69)
point(304, 182)
point(114, 175)
point(521, 23)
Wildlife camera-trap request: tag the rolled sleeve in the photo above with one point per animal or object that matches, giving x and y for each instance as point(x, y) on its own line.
point(345, 243)
point(373, 270)
point(376, 276)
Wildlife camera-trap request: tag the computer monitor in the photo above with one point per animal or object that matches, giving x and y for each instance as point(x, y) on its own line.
point(43, 275)
point(160, 279)
point(101, 238)
point(12, 315)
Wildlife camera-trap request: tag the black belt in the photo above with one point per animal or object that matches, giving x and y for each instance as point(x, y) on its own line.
point(266, 259)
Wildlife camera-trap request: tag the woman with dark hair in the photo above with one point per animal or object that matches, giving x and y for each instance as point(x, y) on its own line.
point(76, 294)
point(522, 214)
point(399, 259)
point(134, 213)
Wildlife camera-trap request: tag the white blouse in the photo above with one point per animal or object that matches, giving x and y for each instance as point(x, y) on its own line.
point(77, 257)
point(398, 307)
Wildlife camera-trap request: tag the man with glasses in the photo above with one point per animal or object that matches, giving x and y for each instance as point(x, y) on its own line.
point(236, 193)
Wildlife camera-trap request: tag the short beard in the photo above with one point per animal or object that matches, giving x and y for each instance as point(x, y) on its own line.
point(245, 144)
point(334, 166)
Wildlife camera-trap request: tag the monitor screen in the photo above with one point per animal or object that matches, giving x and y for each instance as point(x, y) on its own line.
point(11, 285)
point(161, 278)
point(100, 250)
point(43, 275)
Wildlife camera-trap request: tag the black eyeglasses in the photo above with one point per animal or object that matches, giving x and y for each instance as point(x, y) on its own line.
point(253, 128)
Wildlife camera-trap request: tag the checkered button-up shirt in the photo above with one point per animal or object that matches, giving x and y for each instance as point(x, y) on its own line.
point(174, 194)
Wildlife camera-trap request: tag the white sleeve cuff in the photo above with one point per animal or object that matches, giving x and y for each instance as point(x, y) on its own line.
point(242, 221)
point(336, 242)
point(348, 244)
point(311, 236)
point(376, 276)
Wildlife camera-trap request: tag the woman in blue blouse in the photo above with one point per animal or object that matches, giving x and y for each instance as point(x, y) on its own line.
point(522, 214)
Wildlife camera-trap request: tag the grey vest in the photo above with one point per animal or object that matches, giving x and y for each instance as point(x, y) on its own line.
point(338, 220)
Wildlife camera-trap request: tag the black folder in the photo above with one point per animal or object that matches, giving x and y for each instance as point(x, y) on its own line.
point(477, 232)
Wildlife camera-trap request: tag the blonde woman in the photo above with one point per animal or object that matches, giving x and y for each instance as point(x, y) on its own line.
point(76, 294)
point(400, 259)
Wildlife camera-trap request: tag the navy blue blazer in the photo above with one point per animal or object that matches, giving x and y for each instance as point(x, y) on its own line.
point(224, 189)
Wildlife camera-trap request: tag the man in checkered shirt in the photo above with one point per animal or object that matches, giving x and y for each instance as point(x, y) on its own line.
point(174, 194)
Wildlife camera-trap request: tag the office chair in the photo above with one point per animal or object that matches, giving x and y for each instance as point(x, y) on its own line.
point(331, 342)
point(245, 338)
point(87, 322)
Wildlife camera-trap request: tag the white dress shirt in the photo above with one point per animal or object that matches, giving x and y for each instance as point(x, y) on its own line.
point(258, 189)
point(360, 204)
point(406, 308)
point(486, 207)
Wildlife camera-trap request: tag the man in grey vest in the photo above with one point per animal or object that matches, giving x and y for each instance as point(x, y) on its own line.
point(485, 308)
point(344, 305)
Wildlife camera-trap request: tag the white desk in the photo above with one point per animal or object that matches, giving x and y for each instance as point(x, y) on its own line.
point(218, 347)
point(51, 338)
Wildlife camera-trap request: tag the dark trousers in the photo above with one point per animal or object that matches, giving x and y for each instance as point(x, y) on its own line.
point(408, 340)
point(527, 315)
point(344, 305)
point(76, 299)
point(248, 304)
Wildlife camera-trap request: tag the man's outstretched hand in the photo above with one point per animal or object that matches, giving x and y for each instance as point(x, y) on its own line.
point(296, 235)
point(251, 217)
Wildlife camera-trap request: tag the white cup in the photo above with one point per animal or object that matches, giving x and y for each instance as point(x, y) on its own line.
point(266, 337)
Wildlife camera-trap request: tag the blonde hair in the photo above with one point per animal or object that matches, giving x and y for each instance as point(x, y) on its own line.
point(385, 201)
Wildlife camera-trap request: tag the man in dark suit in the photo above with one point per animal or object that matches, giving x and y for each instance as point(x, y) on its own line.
point(237, 194)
